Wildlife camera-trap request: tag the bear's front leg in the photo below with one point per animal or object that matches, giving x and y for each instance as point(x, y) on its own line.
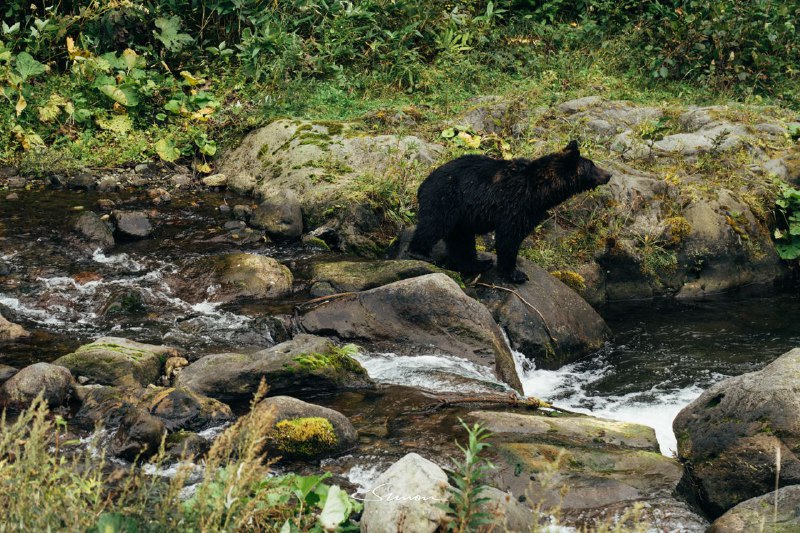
point(507, 246)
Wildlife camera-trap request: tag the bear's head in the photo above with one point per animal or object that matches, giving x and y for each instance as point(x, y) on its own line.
point(586, 174)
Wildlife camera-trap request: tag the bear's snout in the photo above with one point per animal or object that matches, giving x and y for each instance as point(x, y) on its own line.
point(603, 176)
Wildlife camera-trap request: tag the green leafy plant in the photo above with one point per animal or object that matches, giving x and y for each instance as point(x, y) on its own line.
point(787, 234)
point(466, 504)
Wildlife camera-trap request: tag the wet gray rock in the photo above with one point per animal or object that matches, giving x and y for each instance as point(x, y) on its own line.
point(227, 277)
point(159, 196)
point(93, 231)
point(179, 409)
point(82, 180)
point(727, 437)
point(758, 514)
point(180, 181)
point(133, 224)
point(506, 511)
point(544, 319)
point(422, 315)
point(138, 436)
point(303, 366)
point(11, 332)
point(108, 184)
point(117, 361)
point(16, 182)
point(411, 476)
point(280, 215)
point(183, 444)
point(55, 383)
point(6, 372)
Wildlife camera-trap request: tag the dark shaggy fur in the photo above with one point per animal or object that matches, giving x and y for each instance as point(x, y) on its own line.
point(475, 194)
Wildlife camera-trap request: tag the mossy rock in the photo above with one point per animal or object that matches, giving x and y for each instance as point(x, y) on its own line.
point(303, 366)
point(118, 361)
point(352, 276)
point(301, 430)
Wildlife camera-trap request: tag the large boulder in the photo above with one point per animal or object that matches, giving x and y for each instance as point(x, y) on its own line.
point(352, 276)
point(586, 468)
point(422, 315)
point(406, 497)
point(177, 408)
point(728, 436)
point(300, 430)
point(325, 164)
point(758, 514)
point(227, 277)
point(139, 435)
point(54, 383)
point(10, 332)
point(302, 366)
point(117, 361)
point(544, 319)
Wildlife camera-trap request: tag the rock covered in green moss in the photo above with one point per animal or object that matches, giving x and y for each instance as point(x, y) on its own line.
point(422, 315)
point(53, 382)
point(117, 361)
point(227, 277)
point(351, 276)
point(759, 513)
point(587, 468)
point(301, 430)
point(304, 365)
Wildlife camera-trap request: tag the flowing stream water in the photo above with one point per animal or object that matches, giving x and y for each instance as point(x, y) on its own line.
point(662, 355)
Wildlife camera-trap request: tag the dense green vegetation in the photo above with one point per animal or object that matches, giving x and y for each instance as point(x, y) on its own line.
point(90, 83)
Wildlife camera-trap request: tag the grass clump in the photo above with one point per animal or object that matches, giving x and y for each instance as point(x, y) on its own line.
point(49, 484)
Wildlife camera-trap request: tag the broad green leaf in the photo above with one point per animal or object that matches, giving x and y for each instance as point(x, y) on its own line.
point(166, 150)
point(174, 106)
point(28, 67)
point(122, 95)
point(10, 30)
point(82, 115)
point(168, 33)
point(449, 133)
point(209, 148)
point(115, 523)
point(337, 509)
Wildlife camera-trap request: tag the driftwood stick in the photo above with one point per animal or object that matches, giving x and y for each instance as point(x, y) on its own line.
point(510, 400)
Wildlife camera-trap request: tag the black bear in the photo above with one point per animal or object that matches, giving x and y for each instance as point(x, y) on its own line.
point(475, 194)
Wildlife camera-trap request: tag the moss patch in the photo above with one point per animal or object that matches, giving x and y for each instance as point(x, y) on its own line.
point(335, 359)
point(303, 437)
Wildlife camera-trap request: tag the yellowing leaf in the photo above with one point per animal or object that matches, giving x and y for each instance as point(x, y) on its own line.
point(203, 114)
point(52, 108)
point(166, 150)
point(76, 53)
point(122, 95)
point(129, 56)
point(470, 141)
point(115, 123)
point(27, 139)
point(204, 168)
point(190, 79)
point(21, 105)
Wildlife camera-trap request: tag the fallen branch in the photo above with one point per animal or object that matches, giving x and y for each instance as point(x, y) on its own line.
point(524, 301)
point(510, 400)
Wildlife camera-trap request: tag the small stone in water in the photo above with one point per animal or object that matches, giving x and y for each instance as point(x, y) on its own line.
point(106, 204)
point(225, 209)
point(13, 196)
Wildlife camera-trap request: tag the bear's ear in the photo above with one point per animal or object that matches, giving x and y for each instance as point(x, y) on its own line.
point(573, 147)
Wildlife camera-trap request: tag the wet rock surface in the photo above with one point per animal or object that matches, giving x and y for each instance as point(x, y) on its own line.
point(426, 314)
point(53, 382)
point(728, 436)
point(758, 514)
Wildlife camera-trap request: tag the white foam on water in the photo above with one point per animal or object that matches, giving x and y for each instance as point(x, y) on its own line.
point(364, 475)
point(440, 373)
point(41, 316)
point(123, 260)
point(567, 388)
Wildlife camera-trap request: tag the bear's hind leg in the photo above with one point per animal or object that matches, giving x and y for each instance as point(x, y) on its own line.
point(507, 246)
point(462, 255)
